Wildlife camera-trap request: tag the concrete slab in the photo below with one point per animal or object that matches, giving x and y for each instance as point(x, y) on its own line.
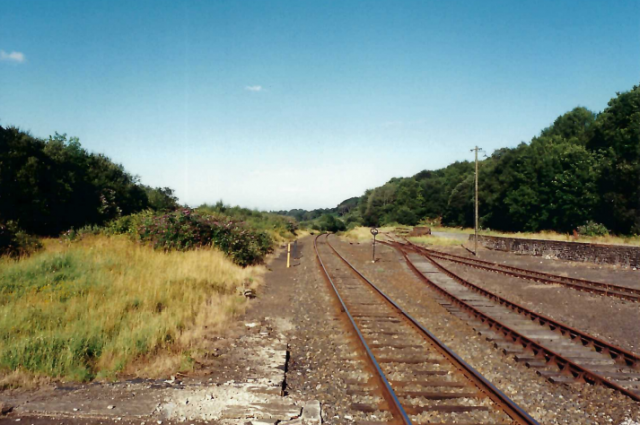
point(311, 413)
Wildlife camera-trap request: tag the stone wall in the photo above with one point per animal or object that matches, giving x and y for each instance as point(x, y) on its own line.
point(627, 256)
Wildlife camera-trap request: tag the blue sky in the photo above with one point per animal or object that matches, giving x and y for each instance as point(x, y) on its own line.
point(287, 104)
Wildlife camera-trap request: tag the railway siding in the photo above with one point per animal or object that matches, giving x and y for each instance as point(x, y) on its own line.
point(558, 353)
point(600, 288)
point(430, 381)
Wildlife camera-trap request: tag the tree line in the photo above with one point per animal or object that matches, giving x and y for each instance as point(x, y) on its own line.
point(48, 186)
point(583, 168)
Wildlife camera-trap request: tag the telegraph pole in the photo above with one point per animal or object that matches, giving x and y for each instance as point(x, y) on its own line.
point(475, 239)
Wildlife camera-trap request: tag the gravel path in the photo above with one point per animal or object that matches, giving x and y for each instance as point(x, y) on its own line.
point(324, 359)
point(548, 403)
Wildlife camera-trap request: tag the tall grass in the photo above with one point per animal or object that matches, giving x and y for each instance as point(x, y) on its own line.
point(90, 309)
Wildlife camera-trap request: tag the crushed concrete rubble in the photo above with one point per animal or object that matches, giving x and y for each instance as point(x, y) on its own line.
point(256, 361)
point(255, 399)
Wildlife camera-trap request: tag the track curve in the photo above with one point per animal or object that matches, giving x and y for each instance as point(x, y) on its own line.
point(600, 288)
point(589, 365)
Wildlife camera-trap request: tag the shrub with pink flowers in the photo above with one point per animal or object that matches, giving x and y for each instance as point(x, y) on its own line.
point(187, 229)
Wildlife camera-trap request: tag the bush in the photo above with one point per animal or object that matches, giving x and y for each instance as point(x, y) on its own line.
point(275, 224)
point(127, 225)
point(352, 225)
point(186, 229)
point(431, 222)
point(591, 228)
point(329, 223)
point(15, 242)
point(406, 216)
point(352, 221)
point(72, 234)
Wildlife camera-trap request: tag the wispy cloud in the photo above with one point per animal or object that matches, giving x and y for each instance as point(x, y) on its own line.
point(15, 57)
point(254, 88)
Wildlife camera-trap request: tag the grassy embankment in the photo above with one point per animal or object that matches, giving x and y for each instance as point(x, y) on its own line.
point(107, 305)
point(363, 234)
point(550, 235)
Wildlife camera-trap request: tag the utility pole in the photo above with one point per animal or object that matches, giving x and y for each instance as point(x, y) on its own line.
point(475, 239)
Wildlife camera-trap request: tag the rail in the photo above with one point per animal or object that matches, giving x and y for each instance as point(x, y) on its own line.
point(540, 351)
point(518, 415)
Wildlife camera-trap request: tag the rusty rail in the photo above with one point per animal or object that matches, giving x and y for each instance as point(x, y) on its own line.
point(539, 351)
point(389, 395)
point(516, 413)
point(600, 288)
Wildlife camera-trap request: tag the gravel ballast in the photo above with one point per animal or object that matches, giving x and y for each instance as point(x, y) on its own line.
point(548, 403)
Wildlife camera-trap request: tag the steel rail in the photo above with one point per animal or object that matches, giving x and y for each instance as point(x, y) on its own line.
point(600, 288)
point(617, 353)
point(388, 393)
point(566, 366)
point(515, 412)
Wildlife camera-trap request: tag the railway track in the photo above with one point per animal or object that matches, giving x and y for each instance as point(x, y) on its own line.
point(418, 377)
point(600, 288)
point(557, 351)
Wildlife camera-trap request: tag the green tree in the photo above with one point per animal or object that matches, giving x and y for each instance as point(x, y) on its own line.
point(48, 186)
point(616, 135)
point(329, 223)
point(162, 198)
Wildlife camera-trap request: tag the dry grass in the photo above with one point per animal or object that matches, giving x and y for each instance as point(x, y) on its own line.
point(434, 240)
point(451, 229)
point(549, 235)
point(106, 305)
point(360, 234)
point(301, 233)
point(22, 379)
